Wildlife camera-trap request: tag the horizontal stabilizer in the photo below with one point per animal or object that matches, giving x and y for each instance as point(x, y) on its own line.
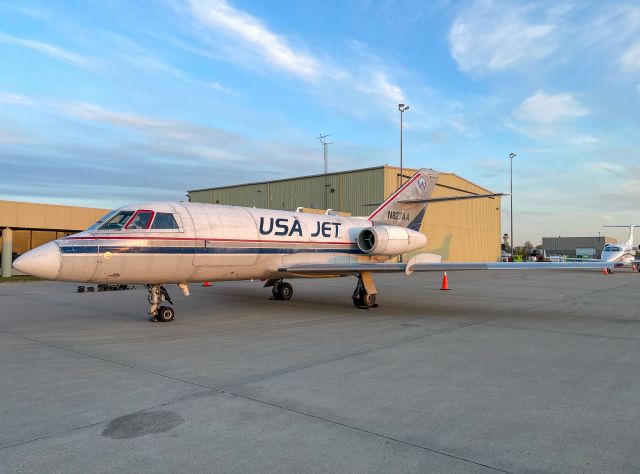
point(452, 198)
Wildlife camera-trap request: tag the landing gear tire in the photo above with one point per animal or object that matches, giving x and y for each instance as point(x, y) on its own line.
point(282, 291)
point(165, 314)
point(609, 271)
point(362, 299)
point(158, 294)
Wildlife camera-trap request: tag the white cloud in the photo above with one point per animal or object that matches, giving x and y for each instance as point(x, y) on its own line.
point(216, 86)
point(15, 99)
point(606, 167)
point(491, 35)
point(358, 82)
point(249, 30)
point(380, 86)
point(92, 112)
point(494, 35)
point(630, 60)
point(542, 108)
point(49, 50)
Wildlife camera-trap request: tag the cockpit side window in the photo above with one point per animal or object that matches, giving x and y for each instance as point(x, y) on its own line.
point(102, 220)
point(164, 220)
point(141, 220)
point(117, 222)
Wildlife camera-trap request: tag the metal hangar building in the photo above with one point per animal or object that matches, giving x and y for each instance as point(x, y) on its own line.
point(460, 231)
point(589, 247)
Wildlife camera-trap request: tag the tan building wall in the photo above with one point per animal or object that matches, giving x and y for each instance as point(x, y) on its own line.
point(34, 224)
point(27, 215)
point(460, 231)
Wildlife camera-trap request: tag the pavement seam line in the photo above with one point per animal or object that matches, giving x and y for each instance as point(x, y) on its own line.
point(569, 333)
point(263, 402)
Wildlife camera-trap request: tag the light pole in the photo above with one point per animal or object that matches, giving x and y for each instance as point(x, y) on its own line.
point(511, 157)
point(402, 108)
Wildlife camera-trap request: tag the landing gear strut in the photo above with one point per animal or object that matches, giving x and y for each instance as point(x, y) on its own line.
point(361, 298)
point(282, 290)
point(158, 294)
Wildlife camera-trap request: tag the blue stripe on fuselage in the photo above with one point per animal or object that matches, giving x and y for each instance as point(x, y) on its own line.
point(86, 249)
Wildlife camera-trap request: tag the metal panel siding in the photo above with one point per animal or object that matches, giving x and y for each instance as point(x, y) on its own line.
point(251, 195)
point(360, 188)
point(568, 245)
point(200, 196)
point(290, 194)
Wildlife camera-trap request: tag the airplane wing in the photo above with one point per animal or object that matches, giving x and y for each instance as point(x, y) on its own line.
point(416, 264)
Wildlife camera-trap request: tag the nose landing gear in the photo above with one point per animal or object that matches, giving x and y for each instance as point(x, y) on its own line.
point(158, 294)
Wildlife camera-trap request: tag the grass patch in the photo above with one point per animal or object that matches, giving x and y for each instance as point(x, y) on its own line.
point(17, 278)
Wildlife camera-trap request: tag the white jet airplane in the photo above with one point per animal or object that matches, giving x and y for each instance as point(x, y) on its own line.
point(621, 255)
point(176, 242)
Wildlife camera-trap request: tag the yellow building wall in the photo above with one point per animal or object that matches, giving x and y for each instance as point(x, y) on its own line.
point(460, 231)
point(16, 214)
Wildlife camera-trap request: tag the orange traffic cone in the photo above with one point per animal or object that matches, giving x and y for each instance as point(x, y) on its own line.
point(445, 282)
point(206, 283)
point(605, 271)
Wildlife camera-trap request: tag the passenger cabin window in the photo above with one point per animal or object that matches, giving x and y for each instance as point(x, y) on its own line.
point(117, 222)
point(164, 220)
point(141, 220)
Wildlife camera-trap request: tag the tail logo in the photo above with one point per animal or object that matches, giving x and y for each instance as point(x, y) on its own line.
point(422, 184)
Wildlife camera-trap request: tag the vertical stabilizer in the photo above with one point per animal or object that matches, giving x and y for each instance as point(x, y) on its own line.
point(393, 211)
point(628, 243)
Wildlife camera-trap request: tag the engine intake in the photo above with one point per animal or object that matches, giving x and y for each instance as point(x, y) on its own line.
point(390, 240)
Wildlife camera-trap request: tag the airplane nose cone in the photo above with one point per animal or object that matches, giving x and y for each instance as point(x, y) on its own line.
point(42, 262)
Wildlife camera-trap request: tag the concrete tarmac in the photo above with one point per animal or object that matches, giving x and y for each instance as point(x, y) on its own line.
point(508, 372)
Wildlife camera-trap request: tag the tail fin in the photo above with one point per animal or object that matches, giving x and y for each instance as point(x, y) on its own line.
point(628, 243)
point(406, 207)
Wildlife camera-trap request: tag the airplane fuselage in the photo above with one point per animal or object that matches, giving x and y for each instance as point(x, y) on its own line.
point(211, 243)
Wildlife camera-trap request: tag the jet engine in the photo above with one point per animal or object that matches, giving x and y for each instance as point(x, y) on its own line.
point(390, 240)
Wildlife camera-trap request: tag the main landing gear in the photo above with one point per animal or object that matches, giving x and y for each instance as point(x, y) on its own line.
point(361, 297)
point(282, 290)
point(158, 294)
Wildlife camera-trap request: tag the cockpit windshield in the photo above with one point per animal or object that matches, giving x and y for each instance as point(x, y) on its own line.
point(117, 221)
point(141, 219)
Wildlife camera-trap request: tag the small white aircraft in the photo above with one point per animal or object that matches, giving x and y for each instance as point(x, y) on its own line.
point(176, 242)
point(621, 255)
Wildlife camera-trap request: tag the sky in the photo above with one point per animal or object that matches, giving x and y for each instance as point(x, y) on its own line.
point(107, 103)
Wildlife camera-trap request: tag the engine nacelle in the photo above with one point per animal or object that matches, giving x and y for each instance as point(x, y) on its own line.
point(390, 240)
